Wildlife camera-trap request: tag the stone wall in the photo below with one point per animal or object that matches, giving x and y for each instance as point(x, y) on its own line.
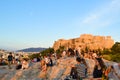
point(86, 40)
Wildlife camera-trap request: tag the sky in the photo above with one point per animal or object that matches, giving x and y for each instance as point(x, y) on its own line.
point(39, 23)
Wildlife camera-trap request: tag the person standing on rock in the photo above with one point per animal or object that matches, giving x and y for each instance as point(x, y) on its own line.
point(10, 60)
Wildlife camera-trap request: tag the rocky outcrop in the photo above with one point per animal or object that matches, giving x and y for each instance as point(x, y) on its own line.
point(58, 72)
point(86, 40)
point(28, 74)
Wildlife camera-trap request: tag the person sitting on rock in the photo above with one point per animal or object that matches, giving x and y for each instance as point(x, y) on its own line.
point(116, 68)
point(18, 65)
point(99, 68)
point(78, 71)
point(43, 68)
point(50, 61)
point(16, 58)
point(64, 54)
point(46, 59)
point(86, 66)
point(25, 63)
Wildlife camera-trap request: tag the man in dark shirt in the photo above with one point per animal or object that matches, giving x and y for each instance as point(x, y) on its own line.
point(10, 59)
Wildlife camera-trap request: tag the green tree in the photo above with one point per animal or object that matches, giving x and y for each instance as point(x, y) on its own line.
point(47, 52)
point(60, 50)
point(106, 51)
point(113, 54)
point(37, 55)
point(116, 47)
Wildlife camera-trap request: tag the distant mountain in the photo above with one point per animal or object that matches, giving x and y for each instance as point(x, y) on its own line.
point(31, 50)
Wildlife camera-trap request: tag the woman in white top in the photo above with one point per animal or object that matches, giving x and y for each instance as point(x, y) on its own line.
point(25, 63)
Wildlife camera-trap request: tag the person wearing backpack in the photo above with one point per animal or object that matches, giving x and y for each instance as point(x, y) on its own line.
point(10, 59)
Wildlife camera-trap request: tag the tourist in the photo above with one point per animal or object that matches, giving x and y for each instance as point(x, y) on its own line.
point(79, 50)
point(116, 67)
point(46, 60)
point(94, 55)
point(64, 54)
point(14, 61)
point(18, 65)
point(43, 68)
point(50, 61)
point(10, 60)
point(77, 53)
point(3, 62)
point(78, 71)
point(35, 59)
point(98, 68)
point(55, 55)
point(112, 72)
point(71, 52)
point(86, 66)
point(25, 63)
point(16, 58)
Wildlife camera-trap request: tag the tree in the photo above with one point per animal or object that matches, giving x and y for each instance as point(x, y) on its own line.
point(114, 53)
point(60, 50)
point(37, 55)
point(116, 47)
point(47, 52)
point(106, 51)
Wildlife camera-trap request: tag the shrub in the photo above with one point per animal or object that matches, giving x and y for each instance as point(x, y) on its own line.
point(115, 58)
point(107, 57)
point(34, 56)
point(47, 52)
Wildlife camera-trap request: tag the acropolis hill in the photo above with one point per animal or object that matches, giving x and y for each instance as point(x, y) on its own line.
point(86, 40)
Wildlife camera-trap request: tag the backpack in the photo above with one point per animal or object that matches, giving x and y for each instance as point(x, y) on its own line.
point(73, 73)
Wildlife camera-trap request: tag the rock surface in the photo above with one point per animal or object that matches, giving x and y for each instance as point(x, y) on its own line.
point(58, 72)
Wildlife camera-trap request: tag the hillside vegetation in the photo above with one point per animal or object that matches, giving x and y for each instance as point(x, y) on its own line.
point(112, 54)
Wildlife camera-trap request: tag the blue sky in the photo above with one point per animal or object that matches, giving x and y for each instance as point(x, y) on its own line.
point(38, 23)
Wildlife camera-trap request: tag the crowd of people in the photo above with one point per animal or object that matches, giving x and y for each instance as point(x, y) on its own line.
point(78, 71)
point(20, 62)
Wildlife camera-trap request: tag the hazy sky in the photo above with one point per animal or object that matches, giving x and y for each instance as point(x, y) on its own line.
point(38, 23)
